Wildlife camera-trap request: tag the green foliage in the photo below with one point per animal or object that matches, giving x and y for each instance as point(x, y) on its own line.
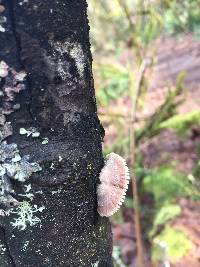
point(165, 214)
point(196, 171)
point(152, 24)
point(117, 260)
point(121, 144)
point(117, 217)
point(171, 243)
point(164, 112)
point(183, 16)
point(125, 30)
point(122, 27)
point(139, 21)
point(166, 185)
point(182, 123)
point(115, 83)
point(128, 202)
point(109, 16)
point(130, 23)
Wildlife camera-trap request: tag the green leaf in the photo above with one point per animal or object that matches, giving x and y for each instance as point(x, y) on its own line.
point(172, 243)
point(165, 214)
point(182, 123)
point(167, 185)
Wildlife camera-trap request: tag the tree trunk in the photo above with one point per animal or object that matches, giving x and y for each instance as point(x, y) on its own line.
point(59, 129)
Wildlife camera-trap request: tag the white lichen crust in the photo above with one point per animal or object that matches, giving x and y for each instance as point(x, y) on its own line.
point(13, 166)
point(114, 178)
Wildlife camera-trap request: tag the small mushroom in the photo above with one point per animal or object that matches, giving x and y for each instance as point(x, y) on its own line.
point(114, 178)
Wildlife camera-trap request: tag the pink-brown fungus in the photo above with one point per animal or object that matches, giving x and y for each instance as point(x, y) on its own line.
point(114, 178)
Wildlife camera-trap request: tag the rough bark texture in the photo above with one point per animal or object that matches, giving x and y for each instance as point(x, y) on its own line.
point(49, 40)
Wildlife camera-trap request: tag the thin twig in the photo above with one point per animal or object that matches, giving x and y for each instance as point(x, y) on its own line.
point(140, 250)
point(127, 13)
point(142, 117)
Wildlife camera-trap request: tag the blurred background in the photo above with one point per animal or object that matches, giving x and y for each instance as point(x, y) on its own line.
point(146, 65)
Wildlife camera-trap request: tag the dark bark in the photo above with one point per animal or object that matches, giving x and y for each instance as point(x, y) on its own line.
point(49, 40)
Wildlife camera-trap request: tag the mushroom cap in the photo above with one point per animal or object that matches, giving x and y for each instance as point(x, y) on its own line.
point(114, 178)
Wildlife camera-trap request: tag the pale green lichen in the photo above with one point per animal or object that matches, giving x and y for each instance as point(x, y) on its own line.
point(56, 191)
point(60, 158)
point(12, 165)
point(36, 134)
point(16, 158)
point(23, 2)
point(23, 131)
point(52, 166)
point(96, 264)
point(24, 170)
point(25, 245)
point(26, 215)
point(7, 151)
point(5, 131)
point(2, 249)
point(29, 132)
point(28, 188)
point(45, 141)
point(20, 170)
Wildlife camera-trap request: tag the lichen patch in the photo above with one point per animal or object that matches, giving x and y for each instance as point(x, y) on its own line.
point(26, 215)
point(75, 51)
point(12, 165)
